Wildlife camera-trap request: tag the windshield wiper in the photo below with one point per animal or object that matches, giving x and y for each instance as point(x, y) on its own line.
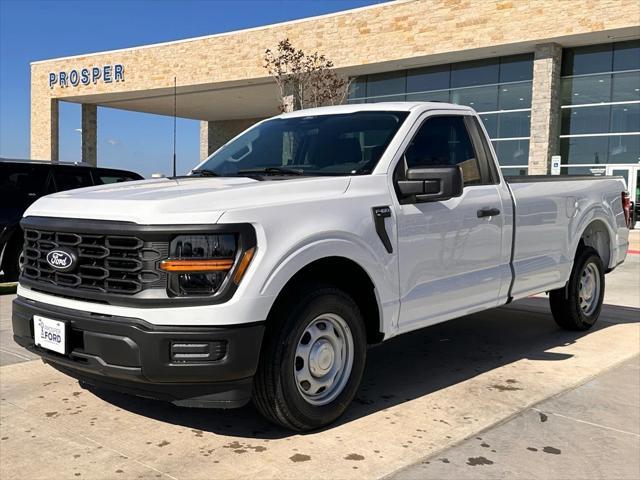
point(205, 172)
point(273, 171)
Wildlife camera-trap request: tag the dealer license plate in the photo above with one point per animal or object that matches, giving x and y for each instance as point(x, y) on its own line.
point(50, 334)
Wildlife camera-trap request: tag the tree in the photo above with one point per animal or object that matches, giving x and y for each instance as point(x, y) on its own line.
point(304, 80)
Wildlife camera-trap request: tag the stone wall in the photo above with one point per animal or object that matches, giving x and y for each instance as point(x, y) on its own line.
point(545, 108)
point(215, 134)
point(389, 36)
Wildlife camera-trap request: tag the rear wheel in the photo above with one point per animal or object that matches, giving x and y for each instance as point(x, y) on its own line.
point(312, 359)
point(578, 305)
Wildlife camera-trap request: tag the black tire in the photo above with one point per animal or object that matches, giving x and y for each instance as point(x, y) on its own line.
point(11, 258)
point(276, 393)
point(566, 302)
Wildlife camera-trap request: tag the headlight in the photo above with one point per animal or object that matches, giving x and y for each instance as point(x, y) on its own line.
point(201, 264)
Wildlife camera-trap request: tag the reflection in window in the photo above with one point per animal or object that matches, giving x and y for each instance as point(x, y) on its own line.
point(625, 118)
point(582, 90)
point(444, 140)
point(514, 172)
point(490, 122)
point(358, 88)
point(516, 68)
point(474, 83)
point(514, 124)
point(439, 96)
point(611, 77)
point(430, 78)
point(595, 171)
point(386, 98)
point(514, 96)
point(386, 84)
point(624, 149)
point(585, 120)
point(626, 86)
point(490, 85)
point(590, 59)
point(475, 72)
point(512, 152)
point(481, 99)
point(586, 150)
point(626, 55)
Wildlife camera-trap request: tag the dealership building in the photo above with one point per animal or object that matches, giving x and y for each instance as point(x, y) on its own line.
point(548, 77)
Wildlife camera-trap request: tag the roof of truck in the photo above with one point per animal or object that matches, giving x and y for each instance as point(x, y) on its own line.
point(378, 106)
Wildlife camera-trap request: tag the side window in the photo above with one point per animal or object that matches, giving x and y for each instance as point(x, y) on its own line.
point(444, 140)
point(68, 178)
point(102, 177)
point(21, 184)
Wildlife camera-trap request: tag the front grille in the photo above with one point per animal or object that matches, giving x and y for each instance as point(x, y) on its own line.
point(111, 264)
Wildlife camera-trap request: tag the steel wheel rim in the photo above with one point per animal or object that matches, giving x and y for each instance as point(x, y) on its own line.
point(589, 289)
point(323, 359)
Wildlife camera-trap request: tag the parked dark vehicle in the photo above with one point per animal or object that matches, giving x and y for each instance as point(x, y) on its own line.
point(22, 182)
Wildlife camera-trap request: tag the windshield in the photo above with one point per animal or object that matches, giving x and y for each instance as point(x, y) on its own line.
point(341, 144)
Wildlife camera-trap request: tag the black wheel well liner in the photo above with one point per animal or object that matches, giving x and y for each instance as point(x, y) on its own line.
point(346, 275)
point(15, 236)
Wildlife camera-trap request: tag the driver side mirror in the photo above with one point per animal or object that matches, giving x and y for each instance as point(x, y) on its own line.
point(431, 184)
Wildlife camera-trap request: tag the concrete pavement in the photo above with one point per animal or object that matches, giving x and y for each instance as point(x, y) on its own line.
point(10, 352)
point(422, 394)
point(592, 431)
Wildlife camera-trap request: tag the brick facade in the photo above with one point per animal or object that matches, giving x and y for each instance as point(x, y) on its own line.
point(90, 134)
point(383, 37)
point(545, 108)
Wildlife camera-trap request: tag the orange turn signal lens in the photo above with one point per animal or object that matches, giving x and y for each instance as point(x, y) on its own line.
point(195, 265)
point(244, 263)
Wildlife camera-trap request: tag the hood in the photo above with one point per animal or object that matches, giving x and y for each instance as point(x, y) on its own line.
point(183, 200)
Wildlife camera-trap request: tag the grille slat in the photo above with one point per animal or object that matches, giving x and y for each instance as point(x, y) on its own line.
point(110, 264)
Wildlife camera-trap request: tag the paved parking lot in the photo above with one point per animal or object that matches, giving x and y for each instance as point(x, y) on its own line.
point(426, 396)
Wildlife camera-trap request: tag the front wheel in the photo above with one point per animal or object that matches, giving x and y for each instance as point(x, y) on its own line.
point(312, 359)
point(577, 306)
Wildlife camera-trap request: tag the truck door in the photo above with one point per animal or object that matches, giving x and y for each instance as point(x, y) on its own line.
point(449, 251)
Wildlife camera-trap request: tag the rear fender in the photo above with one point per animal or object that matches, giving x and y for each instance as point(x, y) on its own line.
point(601, 216)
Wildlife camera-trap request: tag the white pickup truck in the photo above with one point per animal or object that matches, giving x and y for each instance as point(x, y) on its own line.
point(268, 270)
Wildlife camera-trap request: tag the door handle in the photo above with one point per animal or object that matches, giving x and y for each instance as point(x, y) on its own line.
point(488, 212)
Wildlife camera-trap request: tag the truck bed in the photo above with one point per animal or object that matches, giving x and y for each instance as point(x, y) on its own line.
point(551, 215)
point(558, 178)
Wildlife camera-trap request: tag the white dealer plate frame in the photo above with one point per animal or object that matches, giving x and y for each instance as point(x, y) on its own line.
point(50, 334)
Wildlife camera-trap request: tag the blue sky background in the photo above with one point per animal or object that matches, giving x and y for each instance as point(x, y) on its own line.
point(38, 30)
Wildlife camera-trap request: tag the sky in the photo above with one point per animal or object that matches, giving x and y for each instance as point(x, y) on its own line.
point(39, 30)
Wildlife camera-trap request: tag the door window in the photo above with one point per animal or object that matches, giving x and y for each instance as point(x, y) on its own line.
point(104, 176)
point(21, 184)
point(68, 178)
point(444, 140)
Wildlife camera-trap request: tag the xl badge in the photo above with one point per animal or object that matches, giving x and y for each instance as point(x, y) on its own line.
point(61, 260)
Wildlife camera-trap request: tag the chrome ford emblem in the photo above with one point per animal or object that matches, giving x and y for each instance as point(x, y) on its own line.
point(61, 260)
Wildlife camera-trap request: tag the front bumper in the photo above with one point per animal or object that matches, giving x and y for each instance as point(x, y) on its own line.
point(190, 366)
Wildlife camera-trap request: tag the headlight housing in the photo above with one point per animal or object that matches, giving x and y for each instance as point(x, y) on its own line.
point(206, 264)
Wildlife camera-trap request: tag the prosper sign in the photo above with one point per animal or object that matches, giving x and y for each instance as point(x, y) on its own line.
point(87, 75)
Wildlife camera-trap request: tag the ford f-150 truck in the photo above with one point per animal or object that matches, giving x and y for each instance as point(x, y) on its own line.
point(268, 270)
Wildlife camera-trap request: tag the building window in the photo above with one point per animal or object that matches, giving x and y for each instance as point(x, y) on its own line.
point(600, 122)
point(499, 89)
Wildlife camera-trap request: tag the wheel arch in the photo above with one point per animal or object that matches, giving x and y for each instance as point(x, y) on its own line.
point(598, 235)
point(343, 273)
point(14, 238)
